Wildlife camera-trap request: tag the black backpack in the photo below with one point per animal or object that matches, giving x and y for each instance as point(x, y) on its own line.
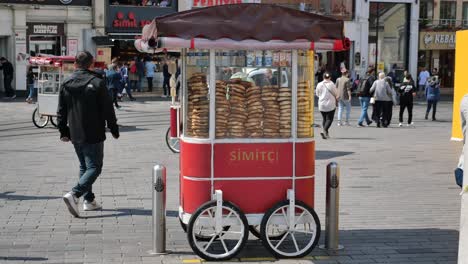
point(362, 85)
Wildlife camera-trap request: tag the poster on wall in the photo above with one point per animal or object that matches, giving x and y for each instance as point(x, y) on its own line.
point(20, 47)
point(72, 46)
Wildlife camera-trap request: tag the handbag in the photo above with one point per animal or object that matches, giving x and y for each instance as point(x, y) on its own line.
point(336, 98)
point(372, 100)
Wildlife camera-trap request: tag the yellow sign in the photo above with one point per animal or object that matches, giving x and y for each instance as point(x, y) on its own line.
point(437, 40)
point(461, 79)
point(380, 67)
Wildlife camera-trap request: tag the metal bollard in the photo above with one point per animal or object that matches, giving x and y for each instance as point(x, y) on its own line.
point(332, 207)
point(159, 210)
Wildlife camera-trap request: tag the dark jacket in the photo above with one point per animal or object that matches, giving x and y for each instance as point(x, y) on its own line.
point(407, 88)
point(432, 92)
point(166, 73)
point(114, 80)
point(7, 68)
point(85, 108)
point(369, 79)
point(140, 68)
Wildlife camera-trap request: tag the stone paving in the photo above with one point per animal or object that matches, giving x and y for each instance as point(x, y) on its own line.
point(399, 202)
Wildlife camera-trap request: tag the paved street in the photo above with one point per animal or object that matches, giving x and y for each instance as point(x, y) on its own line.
point(399, 201)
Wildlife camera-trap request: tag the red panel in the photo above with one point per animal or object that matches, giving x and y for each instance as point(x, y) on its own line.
point(254, 196)
point(195, 159)
point(253, 160)
point(305, 159)
point(193, 194)
point(305, 191)
point(173, 122)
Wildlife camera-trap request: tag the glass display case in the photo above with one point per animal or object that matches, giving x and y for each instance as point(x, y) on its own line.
point(253, 94)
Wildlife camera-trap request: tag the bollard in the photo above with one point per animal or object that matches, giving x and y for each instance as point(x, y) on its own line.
point(332, 207)
point(159, 210)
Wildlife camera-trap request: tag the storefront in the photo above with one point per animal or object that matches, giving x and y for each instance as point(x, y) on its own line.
point(124, 23)
point(437, 51)
point(27, 29)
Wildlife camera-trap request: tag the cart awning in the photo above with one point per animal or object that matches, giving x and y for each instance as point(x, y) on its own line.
point(261, 22)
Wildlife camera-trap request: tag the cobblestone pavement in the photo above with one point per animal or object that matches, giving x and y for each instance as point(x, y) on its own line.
point(399, 202)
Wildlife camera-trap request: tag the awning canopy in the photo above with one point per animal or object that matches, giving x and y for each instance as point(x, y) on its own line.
point(261, 22)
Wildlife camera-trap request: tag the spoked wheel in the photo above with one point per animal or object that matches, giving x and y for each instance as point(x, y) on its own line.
point(200, 237)
point(223, 244)
point(53, 121)
point(300, 236)
point(275, 234)
point(172, 143)
point(40, 121)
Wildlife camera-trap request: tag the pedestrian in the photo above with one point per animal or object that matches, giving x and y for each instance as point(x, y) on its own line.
point(133, 76)
point(461, 161)
point(343, 84)
point(393, 102)
point(328, 96)
point(422, 81)
point(8, 72)
point(364, 94)
point(114, 82)
point(31, 79)
point(141, 73)
point(167, 77)
point(125, 80)
point(432, 96)
point(407, 91)
point(83, 112)
point(383, 100)
point(150, 68)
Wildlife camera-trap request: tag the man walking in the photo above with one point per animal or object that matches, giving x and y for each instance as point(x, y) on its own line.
point(343, 84)
point(150, 68)
point(84, 110)
point(8, 71)
point(167, 77)
point(383, 98)
point(364, 96)
point(422, 81)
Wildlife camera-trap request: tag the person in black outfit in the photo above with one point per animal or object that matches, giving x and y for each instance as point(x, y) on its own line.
point(8, 71)
point(83, 112)
point(407, 91)
point(167, 77)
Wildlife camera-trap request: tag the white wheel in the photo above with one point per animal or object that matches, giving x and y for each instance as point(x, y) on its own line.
point(40, 121)
point(300, 236)
point(275, 233)
point(221, 245)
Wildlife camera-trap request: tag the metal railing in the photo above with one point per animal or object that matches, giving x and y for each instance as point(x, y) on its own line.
point(426, 23)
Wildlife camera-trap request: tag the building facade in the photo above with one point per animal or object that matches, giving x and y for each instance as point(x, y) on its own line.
point(27, 29)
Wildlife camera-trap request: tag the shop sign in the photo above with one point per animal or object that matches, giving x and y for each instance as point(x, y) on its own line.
point(50, 2)
point(127, 19)
point(206, 3)
point(437, 40)
point(45, 29)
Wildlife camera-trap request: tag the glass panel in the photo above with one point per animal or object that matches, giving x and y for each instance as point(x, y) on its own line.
point(465, 14)
point(448, 13)
point(305, 77)
point(198, 105)
point(426, 9)
point(48, 82)
point(253, 94)
point(341, 9)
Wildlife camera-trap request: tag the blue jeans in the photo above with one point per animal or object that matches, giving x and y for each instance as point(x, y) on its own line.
point(364, 105)
point(140, 83)
point(32, 91)
point(91, 158)
point(342, 104)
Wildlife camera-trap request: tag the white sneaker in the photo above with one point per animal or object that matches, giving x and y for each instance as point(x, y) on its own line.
point(91, 206)
point(338, 124)
point(400, 125)
point(72, 203)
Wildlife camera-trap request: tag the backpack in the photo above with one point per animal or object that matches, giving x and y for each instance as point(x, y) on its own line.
point(362, 85)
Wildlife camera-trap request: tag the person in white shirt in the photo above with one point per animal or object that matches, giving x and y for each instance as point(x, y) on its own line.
point(327, 94)
point(422, 81)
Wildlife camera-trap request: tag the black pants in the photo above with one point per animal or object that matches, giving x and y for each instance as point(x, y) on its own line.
point(9, 92)
point(166, 85)
point(406, 104)
point(383, 112)
point(431, 103)
point(113, 94)
point(327, 120)
point(150, 83)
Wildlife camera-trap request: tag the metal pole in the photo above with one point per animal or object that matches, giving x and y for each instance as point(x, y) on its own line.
point(159, 210)
point(332, 207)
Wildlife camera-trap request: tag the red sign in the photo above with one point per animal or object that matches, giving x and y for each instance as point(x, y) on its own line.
point(128, 22)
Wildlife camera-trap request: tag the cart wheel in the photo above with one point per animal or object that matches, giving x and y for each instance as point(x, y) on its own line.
point(275, 234)
point(221, 245)
point(200, 237)
point(53, 121)
point(172, 143)
point(40, 121)
point(299, 238)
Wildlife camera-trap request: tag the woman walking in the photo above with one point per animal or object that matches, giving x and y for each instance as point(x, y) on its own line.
point(327, 94)
point(114, 82)
point(432, 96)
point(407, 91)
point(383, 100)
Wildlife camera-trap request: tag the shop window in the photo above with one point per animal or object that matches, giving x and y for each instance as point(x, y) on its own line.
point(465, 14)
point(426, 9)
point(448, 13)
point(342, 9)
point(159, 3)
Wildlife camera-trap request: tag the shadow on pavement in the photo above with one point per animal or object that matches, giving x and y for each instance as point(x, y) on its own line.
point(327, 154)
point(23, 258)
point(8, 196)
point(123, 128)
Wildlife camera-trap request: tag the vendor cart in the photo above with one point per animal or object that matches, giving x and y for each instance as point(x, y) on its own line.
point(247, 149)
point(52, 70)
